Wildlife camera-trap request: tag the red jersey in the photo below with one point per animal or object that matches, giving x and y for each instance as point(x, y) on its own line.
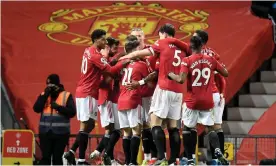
point(157, 64)
point(151, 63)
point(150, 60)
point(200, 77)
point(170, 59)
point(93, 64)
point(130, 99)
point(114, 92)
point(109, 92)
point(219, 83)
point(103, 92)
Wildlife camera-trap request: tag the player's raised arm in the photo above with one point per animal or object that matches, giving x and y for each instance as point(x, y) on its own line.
point(116, 58)
point(137, 54)
point(101, 62)
point(183, 72)
point(180, 44)
point(135, 84)
point(220, 80)
point(118, 67)
point(220, 69)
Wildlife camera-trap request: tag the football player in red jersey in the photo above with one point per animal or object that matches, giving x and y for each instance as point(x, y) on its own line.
point(219, 87)
point(94, 64)
point(167, 98)
point(108, 96)
point(139, 33)
point(198, 69)
point(129, 104)
point(149, 148)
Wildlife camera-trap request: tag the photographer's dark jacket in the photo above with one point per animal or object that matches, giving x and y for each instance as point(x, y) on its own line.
point(58, 119)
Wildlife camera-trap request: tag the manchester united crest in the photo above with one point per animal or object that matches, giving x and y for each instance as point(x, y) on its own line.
point(74, 26)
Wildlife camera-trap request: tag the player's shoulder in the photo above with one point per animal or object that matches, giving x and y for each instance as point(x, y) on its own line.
point(140, 63)
point(91, 49)
point(162, 42)
point(192, 57)
point(157, 43)
point(186, 61)
point(211, 52)
point(138, 66)
point(210, 59)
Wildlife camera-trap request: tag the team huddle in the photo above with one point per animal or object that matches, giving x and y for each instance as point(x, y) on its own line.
point(140, 92)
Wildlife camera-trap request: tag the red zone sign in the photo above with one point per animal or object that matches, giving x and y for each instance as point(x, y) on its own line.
point(17, 147)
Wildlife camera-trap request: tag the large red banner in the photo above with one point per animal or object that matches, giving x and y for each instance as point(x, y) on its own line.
point(39, 38)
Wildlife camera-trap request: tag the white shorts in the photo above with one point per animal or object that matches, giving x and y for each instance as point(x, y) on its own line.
point(130, 118)
point(109, 114)
point(86, 108)
point(146, 107)
point(190, 117)
point(218, 108)
point(166, 104)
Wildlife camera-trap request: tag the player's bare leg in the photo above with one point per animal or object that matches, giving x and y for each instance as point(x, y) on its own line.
point(174, 140)
point(159, 138)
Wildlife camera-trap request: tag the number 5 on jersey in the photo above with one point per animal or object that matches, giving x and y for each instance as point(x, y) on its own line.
point(177, 57)
point(127, 75)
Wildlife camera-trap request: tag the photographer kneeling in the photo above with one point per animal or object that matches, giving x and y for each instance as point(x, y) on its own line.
point(56, 107)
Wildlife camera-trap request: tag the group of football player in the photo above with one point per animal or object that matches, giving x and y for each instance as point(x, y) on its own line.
point(146, 89)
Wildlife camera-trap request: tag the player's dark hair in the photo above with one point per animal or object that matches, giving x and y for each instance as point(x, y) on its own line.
point(97, 34)
point(203, 35)
point(112, 41)
point(131, 43)
point(168, 29)
point(196, 43)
